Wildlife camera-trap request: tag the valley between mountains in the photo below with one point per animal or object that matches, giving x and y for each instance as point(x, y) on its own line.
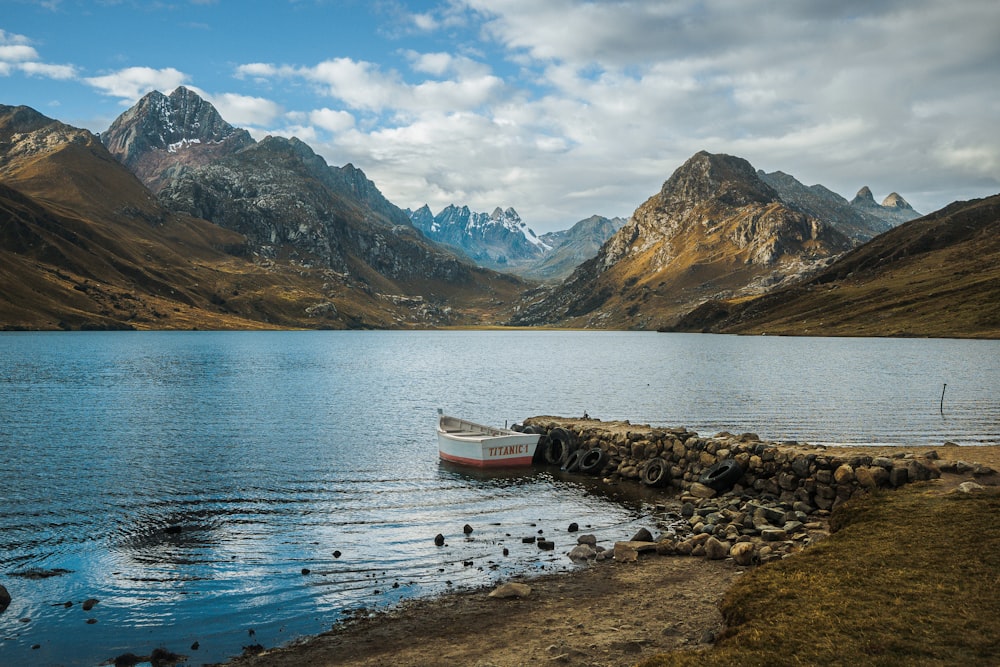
point(174, 219)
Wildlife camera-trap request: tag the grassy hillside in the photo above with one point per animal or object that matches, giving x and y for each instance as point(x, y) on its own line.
point(935, 276)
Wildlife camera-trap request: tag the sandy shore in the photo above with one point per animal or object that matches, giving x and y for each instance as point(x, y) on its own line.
point(608, 613)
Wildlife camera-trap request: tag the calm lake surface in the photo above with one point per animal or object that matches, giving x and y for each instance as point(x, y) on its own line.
point(186, 479)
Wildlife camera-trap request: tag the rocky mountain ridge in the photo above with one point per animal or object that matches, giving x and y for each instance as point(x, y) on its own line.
point(572, 247)
point(861, 219)
point(497, 240)
point(162, 136)
point(283, 197)
point(894, 209)
point(715, 227)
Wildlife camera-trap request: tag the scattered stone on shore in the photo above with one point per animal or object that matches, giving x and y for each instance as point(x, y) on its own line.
point(439, 540)
point(624, 553)
point(510, 590)
point(964, 487)
point(642, 535)
point(588, 539)
point(582, 553)
point(742, 553)
point(89, 603)
point(467, 529)
point(546, 545)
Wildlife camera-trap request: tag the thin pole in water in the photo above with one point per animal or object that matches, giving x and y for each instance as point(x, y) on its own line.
point(942, 398)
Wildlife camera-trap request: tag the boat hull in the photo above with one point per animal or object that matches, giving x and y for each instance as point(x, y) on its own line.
point(471, 444)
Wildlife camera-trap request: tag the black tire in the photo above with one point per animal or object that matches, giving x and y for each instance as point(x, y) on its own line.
point(722, 476)
point(572, 463)
point(593, 461)
point(555, 452)
point(539, 456)
point(656, 472)
point(564, 436)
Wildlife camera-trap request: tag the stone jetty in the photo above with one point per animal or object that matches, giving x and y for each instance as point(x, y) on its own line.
point(740, 497)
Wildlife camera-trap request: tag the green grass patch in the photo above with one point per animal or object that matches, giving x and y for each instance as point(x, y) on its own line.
point(909, 578)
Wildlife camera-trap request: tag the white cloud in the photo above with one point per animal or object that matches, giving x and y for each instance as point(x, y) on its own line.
point(132, 83)
point(331, 120)
point(566, 108)
point(17, 54)
point(48, 71)
point(13, 53)
point(246, 110)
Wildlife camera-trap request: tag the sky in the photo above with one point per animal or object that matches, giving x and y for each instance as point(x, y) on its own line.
point(561, 109)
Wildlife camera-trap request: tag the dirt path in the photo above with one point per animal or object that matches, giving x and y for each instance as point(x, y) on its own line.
point(607, 614)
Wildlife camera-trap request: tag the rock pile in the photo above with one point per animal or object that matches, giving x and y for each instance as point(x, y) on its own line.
point(741, 497)
point(741, 465)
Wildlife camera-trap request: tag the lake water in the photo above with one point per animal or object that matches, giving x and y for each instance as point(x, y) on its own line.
point(186, 479)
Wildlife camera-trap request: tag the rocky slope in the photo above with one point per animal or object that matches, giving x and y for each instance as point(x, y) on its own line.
point(861, 219)
point(715, 229)
point(938, 275)
point(572, 247)
point(290, 204)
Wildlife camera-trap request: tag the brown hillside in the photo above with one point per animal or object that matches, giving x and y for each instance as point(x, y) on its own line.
point(84, 245)
point(935, 276)
point(715, 230)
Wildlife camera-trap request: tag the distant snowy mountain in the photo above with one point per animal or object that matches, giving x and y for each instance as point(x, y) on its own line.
point(497, 240)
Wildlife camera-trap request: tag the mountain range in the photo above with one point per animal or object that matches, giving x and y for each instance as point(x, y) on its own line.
point(501, 240)
point(85, 244)
point(172, 218)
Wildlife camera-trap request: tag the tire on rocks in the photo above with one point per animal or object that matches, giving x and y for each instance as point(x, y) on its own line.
point(572, 462)
point(560, 443)
point(539, 456)
point(554, 452)
point(722, 476)
point(655, 472)
point(593, 461)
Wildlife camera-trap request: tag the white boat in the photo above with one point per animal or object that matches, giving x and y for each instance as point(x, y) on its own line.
point(468, 443)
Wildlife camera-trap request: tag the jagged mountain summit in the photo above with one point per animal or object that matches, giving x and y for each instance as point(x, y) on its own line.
point(714, 228)
point(497, 240)
point(501, 240)
point(281, 195)
point(162, 136)
point(857, 219)
point(893, 208)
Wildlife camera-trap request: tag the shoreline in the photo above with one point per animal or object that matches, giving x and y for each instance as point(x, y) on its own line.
point(607, 613)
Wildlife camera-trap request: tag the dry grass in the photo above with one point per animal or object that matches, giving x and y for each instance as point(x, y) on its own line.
point(911, 578)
